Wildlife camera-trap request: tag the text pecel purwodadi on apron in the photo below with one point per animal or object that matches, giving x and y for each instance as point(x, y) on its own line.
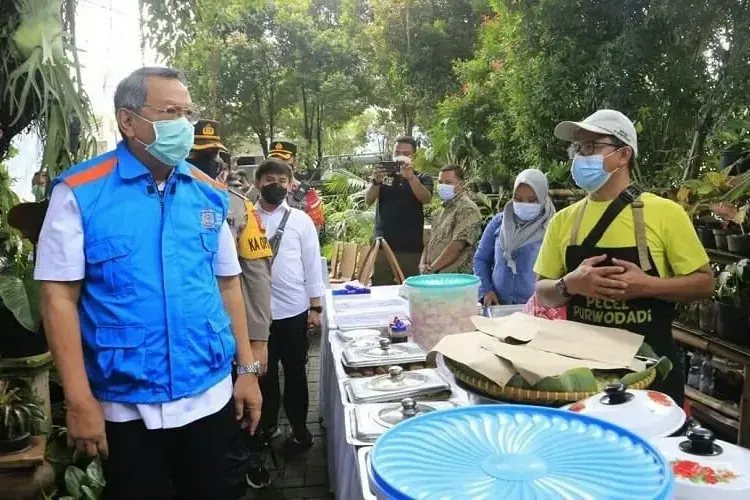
point(650, 317)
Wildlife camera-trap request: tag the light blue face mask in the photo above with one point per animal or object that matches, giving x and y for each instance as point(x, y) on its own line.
point(446, 192)
point(527, 211)
point(588, 172)
point(173, 140)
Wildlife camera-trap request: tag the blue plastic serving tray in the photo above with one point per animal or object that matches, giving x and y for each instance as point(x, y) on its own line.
point(516, 452)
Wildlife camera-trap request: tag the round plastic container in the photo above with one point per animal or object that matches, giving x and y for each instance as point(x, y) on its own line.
point(499, 452)
point(440, 305)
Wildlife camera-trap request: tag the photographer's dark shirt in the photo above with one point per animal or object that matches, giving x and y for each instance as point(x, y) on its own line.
point(399, 217)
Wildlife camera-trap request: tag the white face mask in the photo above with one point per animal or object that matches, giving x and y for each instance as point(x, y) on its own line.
point(526, 211)
point(446, 192)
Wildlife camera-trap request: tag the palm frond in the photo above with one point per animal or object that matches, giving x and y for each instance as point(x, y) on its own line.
point(341, 181)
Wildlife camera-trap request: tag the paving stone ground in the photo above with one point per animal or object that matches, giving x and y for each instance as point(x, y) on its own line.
point(304, 477)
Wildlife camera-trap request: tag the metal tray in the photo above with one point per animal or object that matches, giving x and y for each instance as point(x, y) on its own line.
point(383, 354)
point(397, 385)
point(363, 459)
point(366, 422)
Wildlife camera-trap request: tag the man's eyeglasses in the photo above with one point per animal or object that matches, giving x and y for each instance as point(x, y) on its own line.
point(587, 148)
point(175, 112)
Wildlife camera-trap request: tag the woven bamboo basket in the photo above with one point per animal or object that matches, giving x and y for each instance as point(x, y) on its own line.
point(529, 396)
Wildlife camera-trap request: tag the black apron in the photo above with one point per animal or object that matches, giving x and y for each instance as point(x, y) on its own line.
point(649, 317)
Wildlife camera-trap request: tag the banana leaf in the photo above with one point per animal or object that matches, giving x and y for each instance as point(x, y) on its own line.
point(587, 380)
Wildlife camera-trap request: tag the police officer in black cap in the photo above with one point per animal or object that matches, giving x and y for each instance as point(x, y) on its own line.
point(212, 157)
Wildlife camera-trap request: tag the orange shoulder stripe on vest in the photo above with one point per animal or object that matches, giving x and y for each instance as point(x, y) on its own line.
point(92, 173)
point(202, 176)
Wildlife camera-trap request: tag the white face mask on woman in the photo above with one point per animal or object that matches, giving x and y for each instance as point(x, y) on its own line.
point(526, 211)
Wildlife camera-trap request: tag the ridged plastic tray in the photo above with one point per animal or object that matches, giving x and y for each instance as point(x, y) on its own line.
point(516, 452)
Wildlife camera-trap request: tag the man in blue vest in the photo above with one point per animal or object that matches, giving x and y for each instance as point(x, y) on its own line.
point(142, 304)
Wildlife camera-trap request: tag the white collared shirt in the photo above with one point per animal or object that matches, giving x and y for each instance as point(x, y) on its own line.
point(296, 273)
point(60, 257)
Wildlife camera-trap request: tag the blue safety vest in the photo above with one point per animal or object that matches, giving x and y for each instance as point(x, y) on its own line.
point(152, 318)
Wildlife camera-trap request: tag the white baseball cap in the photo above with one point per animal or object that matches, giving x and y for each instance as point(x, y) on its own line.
point(605, 122)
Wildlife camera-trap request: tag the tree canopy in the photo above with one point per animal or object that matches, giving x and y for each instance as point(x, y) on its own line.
point(484, 81)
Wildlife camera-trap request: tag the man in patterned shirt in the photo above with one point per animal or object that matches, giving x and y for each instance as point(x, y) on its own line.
point(455, 230)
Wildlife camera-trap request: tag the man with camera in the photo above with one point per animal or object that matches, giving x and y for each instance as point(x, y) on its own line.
point(399, 214)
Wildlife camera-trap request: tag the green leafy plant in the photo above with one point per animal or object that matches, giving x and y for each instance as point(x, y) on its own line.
point(736, 135)
point(696, 195)
point(19, 293)
point(20, 411)
point(489, 206)
point(733, 284)
point(347, 216)
point(84, 485)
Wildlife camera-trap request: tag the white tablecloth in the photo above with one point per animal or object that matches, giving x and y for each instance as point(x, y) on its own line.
point(343, 468)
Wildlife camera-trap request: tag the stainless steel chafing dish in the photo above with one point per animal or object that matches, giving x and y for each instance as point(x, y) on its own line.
point(366, 422)
point(396, 385)
point(363, 458)
point(383, 354)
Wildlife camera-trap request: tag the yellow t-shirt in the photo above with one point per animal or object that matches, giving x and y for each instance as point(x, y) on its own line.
point(671, 238)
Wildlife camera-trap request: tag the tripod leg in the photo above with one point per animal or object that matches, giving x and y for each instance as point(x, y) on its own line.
point(367, 268)
point(393, 261)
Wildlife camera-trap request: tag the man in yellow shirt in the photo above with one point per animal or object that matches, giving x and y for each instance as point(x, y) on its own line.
point(619, 257)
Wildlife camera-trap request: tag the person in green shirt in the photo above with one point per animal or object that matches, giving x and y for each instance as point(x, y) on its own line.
point(455, 230)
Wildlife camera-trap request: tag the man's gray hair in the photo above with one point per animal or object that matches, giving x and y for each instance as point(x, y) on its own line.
point(131, 92)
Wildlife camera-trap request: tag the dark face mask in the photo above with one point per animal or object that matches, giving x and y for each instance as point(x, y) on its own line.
point(273, 193)
point(209, 166)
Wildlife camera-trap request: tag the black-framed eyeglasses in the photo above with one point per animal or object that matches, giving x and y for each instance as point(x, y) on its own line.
point(588, 148)
point(174, 112)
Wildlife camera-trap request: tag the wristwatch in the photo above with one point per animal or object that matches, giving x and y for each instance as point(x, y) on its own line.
point(253, 368)
point(317, 309)
point(562, 288)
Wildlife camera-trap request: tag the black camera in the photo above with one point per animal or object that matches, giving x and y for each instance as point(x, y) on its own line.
point(391, 167)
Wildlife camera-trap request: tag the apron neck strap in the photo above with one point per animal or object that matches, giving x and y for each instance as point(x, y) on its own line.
point(640, 235)
point(577, 223)
point(629, 196)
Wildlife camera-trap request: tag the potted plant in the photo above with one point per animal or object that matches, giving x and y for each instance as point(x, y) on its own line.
point(707, 316)
point(736, 141)
point(732, 302)
point(695, 196)
point(20, 416)
point(736, 216)
point(23, 348)
point(688, 314)
point(705, 226)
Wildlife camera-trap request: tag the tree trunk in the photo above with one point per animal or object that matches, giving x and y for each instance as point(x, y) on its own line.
point(407, 119)
point(271, 114)
point(695, 156)
point(215, 65)
point(320, 136)
point(307, 117)
point(263, 140)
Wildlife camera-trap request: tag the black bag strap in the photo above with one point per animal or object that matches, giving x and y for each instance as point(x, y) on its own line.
point(626, 197)
point(275, 241)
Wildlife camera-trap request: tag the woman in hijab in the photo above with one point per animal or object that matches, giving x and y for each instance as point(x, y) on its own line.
point(504, 260)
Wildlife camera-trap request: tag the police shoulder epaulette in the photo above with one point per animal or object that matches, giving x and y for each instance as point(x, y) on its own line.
point(237, 193)
point(202, 176)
